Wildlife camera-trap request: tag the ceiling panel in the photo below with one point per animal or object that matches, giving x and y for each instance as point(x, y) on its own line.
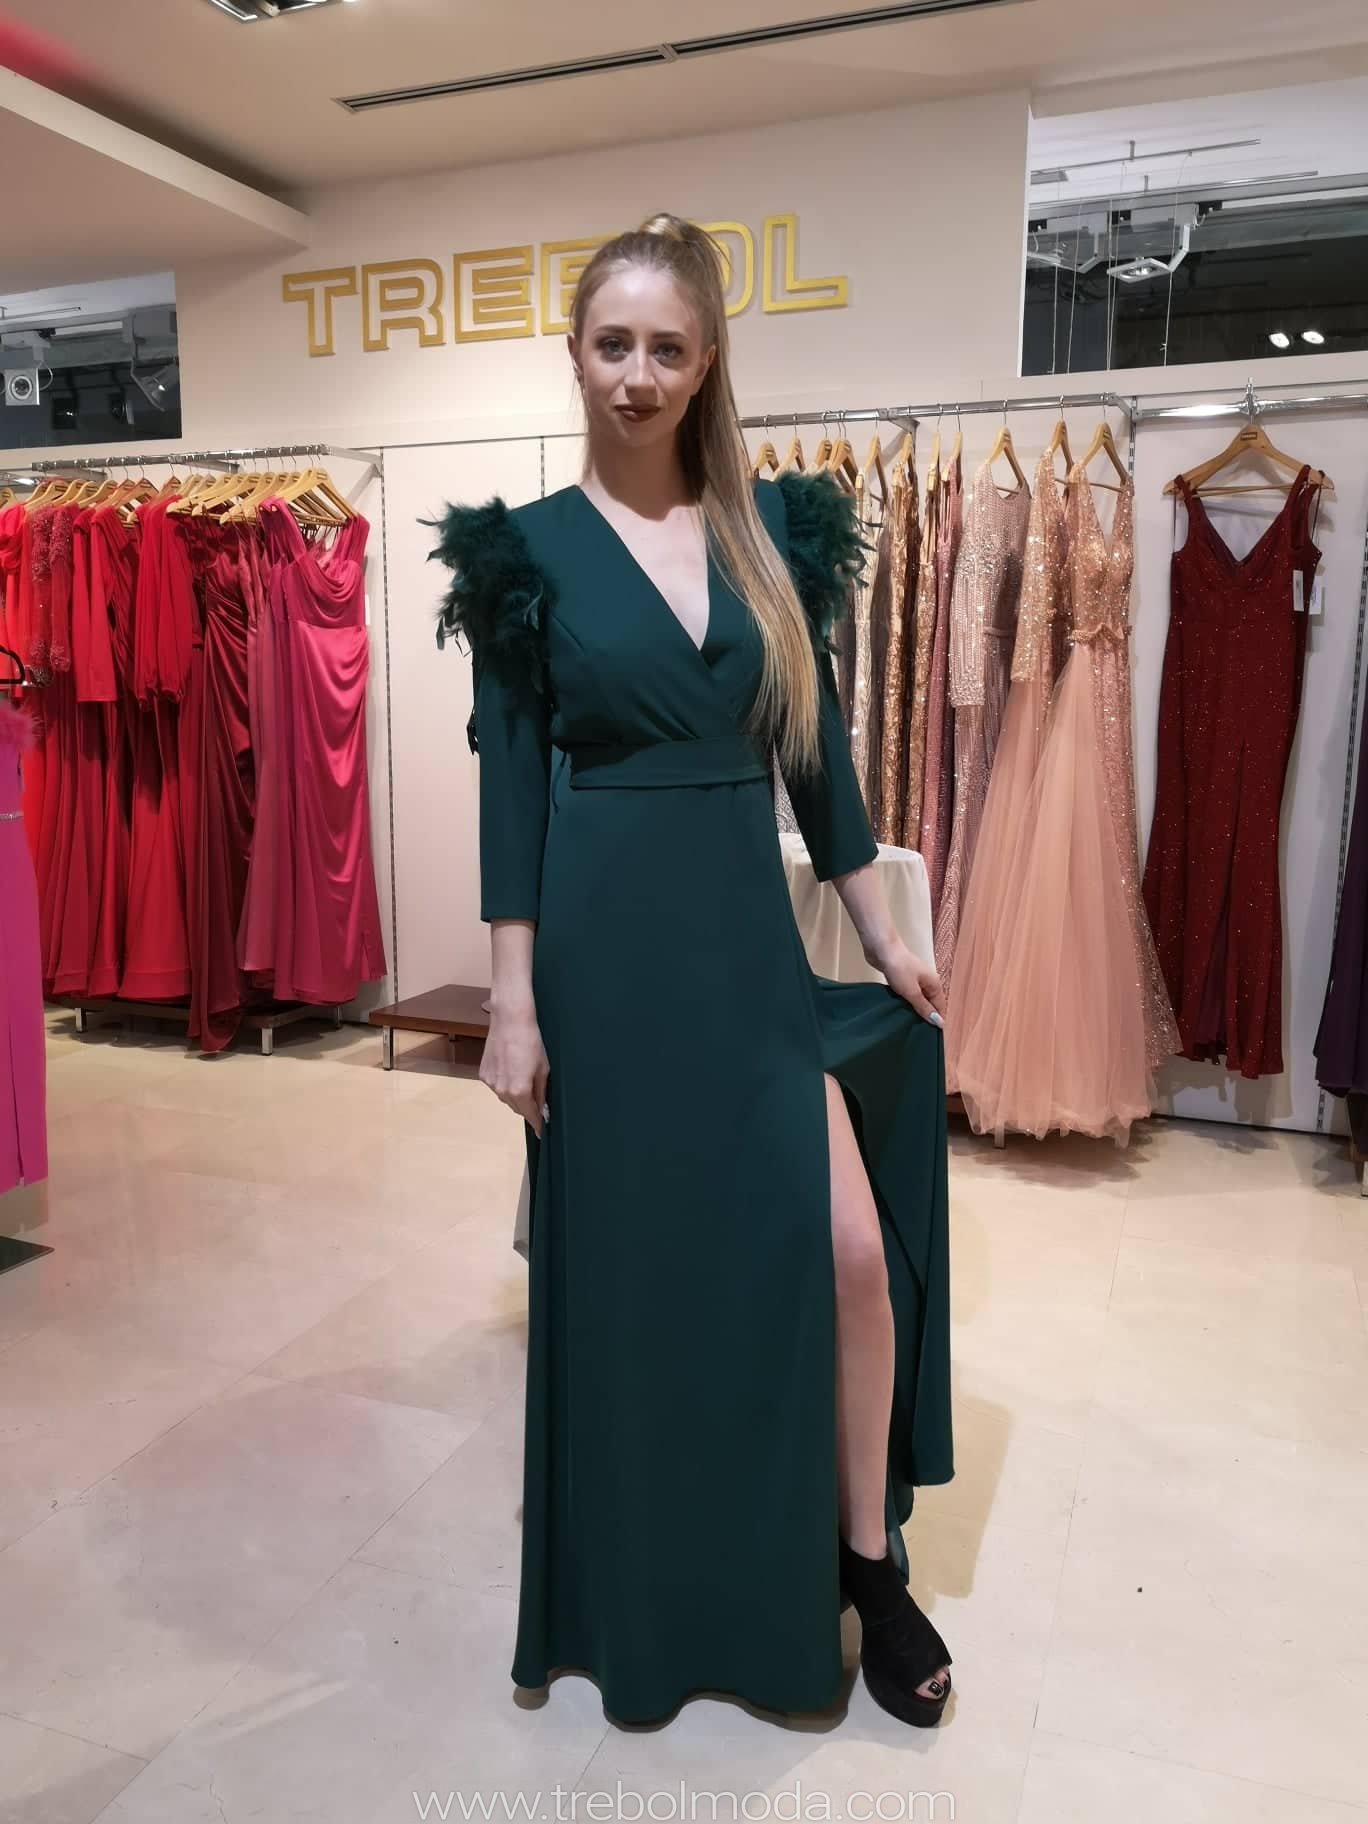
point(259, 100)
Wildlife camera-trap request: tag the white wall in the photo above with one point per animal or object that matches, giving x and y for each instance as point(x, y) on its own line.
point(929, 228)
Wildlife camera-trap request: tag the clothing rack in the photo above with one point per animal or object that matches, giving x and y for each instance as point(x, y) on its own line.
point(909, 415)
point(214, 459)
point(1191, 406)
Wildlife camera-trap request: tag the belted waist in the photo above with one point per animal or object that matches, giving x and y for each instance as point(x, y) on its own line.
point(718, 760)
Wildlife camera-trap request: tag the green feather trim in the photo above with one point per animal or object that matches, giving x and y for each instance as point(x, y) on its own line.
point(499, 597)
point(826, 552)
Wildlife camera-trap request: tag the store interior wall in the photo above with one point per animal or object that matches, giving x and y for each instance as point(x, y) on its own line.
point(930, 233)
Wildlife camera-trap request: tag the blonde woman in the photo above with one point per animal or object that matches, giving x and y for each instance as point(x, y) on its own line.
point(738, 1282)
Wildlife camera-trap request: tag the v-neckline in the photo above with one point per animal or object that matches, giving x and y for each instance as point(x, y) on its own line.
point(649, 581)
point(1125, 496)
point(1223, 550)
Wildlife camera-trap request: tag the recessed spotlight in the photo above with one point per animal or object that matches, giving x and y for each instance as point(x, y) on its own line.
point(1280, 339)
point(1313, 336)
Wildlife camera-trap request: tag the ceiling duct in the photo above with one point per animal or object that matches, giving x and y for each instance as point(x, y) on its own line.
point(679, 50)
point(1151, 243)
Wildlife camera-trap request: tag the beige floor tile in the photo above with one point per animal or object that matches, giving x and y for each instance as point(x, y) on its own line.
point(132, 1606)
point(463, 1525)
point(1213, 1607)
point(1007, 1470)
point(73, 1408)
point(381, 1686)
point(446, 1330)
point(1210, 1337)
point(1070, 1782)
point(50, 1778)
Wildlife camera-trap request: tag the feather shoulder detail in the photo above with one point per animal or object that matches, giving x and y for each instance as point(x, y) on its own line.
point(826, 551)
point(498, 595)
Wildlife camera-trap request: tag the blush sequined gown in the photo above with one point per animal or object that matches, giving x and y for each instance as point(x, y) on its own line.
point(1074, 1016)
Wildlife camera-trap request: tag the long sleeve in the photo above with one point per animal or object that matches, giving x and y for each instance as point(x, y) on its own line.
point(822, 547)
point(496, 603)
point(512, 732)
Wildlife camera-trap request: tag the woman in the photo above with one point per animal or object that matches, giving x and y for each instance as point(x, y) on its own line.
point(738, 1357)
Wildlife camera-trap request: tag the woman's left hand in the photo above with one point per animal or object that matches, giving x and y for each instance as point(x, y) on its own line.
point(916, 981)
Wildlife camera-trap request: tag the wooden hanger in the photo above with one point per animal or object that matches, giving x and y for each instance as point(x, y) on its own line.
point(1102, 439)
point(904, 466)
point(874, 465)
point(822, 453)
point(1003, 446)
point(1250, 440)
point(1059, 440)
point(956, 449)
point(933, 472)
point(841, 464)
point(765, 457)
point(793, 456)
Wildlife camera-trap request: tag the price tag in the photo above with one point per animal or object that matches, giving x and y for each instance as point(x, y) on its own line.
point(1298, 593)
point(1317, 597)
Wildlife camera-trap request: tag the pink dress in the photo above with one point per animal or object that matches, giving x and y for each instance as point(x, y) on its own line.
point(983, 617)
point(938, 769)
point(327, 912)
point(23, 1120)
point(1038, 654)
point(1068, 1023)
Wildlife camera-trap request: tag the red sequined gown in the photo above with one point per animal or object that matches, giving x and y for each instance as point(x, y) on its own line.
point(1227, 713)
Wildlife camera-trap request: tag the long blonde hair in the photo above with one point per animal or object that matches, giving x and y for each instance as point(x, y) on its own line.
point(717, 472)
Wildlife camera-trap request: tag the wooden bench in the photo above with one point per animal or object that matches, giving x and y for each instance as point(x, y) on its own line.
point(451, 1012)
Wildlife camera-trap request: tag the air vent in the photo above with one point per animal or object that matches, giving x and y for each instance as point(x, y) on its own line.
point(677, 51)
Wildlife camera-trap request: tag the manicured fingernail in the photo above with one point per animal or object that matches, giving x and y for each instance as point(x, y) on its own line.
point(936, 1019)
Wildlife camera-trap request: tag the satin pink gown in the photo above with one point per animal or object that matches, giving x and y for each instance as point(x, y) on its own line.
point(23, 1120)
point(327, 911)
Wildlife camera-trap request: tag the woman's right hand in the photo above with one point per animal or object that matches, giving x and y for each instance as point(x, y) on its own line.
point(515, 1065)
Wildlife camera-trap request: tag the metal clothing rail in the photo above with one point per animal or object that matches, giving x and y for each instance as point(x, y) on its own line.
point(226, 459)
point(945, 408)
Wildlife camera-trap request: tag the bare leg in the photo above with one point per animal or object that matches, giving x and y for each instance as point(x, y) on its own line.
point(864, 1342)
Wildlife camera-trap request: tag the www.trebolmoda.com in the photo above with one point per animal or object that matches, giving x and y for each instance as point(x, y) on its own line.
point(685, 1805)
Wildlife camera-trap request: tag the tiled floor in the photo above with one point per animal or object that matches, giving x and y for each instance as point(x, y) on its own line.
point(261, 1415)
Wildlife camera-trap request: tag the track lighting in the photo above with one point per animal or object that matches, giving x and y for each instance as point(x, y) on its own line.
point(1280, 339)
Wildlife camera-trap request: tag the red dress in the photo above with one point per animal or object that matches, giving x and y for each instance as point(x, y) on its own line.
point(1228, 709)
point(327, 911)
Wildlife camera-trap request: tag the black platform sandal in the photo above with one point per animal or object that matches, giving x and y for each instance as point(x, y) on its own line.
point(899, 1647)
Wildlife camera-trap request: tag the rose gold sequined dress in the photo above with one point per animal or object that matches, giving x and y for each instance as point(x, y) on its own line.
point(1039, 652)
point(1074, 1015)
point(923, 638)
point(863, 739)
point(938, 772)
point(983, 615)
point(900, 529)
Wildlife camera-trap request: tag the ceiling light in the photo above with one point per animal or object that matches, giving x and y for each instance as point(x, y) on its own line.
point(159, 387)
point(1280, 339)
point(1148, 266)
point(1313, 336)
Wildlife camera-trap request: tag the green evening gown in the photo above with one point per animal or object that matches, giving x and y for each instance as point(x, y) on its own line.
point(679, 1497)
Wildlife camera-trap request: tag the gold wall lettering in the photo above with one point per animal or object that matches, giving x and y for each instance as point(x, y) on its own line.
point(401, 294)
point(798, 294)
point(523, 290)
point(317, 290)
point(498, 281)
